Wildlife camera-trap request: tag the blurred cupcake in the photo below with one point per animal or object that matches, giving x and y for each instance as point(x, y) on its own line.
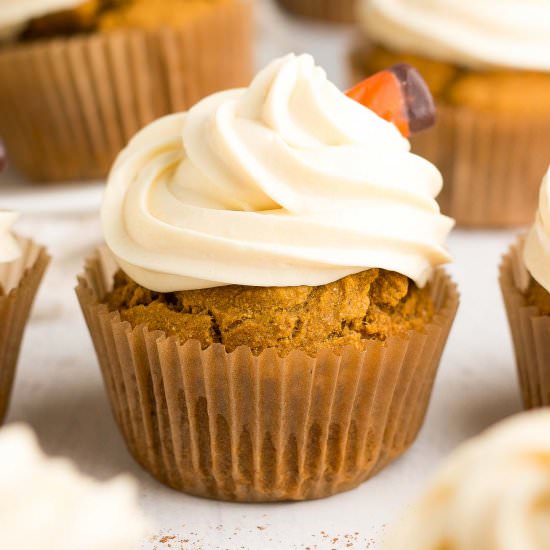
point(22, 265)
point(491, 494)
point(277, 323)
point(525, 283)
point(487, 66)
point(333, 11)
point(47, 504)
point(78, 79)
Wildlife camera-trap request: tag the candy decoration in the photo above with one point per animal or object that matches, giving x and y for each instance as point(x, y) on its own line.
point(399, 95)
point(3, 160)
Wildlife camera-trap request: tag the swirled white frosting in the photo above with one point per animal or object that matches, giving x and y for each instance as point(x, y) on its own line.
point(286, 183)
point(9, 249)
point(15, 14)
point(492, 494)
point(481, 33)
point(537, 246)
point(46, 504)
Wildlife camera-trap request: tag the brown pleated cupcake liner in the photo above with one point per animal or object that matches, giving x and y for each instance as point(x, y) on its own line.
point(492, 163)
point(334, 11)
point(19, 281)
point(240, 427)
point(68, 106)
point(530, 331)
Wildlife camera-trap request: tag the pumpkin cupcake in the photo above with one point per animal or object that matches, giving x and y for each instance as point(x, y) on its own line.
point(490, 494)
point(79, 78)
point(487, 67)
point(46, 503)
point(22, 265)
point(269, 313)
point(525, 282)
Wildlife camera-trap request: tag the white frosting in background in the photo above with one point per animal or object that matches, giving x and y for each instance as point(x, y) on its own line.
point(9, 248)
point(493, 493)
point(286, 183)
point(480, 33)
point(15, 14)
point(537, 245)
point(46, 504)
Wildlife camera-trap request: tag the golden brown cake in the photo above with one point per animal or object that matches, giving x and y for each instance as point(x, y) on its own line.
point(372, 305)
point(145, 14)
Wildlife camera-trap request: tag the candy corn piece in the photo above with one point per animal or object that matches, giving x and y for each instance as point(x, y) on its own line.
point(399, 95)
point(3, 160)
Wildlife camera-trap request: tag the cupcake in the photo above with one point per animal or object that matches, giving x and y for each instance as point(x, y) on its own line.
point(79, 78)
point(269, 312)
point(525, 283)
point(332, 11)
point(22, 265)
point(491, 494)
point(487, 67)
point(46, 503)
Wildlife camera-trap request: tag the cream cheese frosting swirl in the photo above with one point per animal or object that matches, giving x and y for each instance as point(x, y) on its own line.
point(286, 183)
point(9, 249)
point(484, 33)
point(15, 14)
point(537, 246)
point(492, 494)
point(47, 504)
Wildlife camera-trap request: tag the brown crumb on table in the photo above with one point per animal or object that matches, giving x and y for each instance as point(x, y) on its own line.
point(371, 305)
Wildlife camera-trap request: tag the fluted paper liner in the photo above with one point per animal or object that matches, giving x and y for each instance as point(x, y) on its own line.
point(20, 281)
point(530, 331)
point(235, 426)
point(335, 11)
point(492, 163)
point(68, 106)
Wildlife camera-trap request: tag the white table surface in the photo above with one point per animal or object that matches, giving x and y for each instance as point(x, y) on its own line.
point(59, 391)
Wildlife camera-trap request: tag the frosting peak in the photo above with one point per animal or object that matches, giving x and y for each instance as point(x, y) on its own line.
point(9, 249)
point(493, 493)
point(481, 33)
point(537, 245)
point(285, 183)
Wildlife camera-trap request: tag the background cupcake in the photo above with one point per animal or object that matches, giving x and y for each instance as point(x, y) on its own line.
point(490, 494)
point(78, 79)
point(304, 368)
point(334, 11)
point(486, 65)
point(48, 504)
point(22, 265)
point(525, 283)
